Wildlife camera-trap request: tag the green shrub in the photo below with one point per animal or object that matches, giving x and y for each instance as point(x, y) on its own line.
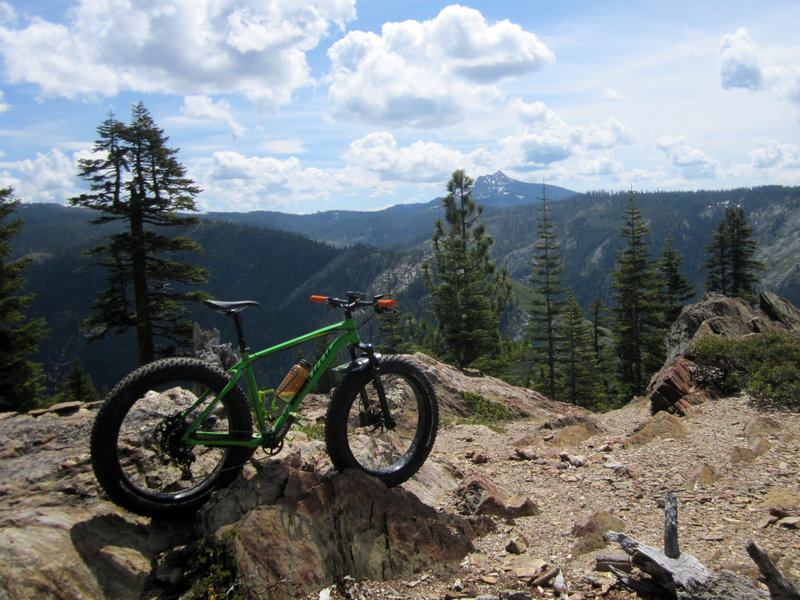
point(485, 412)
point(213, 569)
point(766, 365)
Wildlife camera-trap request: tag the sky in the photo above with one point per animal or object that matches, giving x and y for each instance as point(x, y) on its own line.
point(310, 105)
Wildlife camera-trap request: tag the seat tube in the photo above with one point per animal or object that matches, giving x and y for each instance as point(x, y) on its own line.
point(252, 390)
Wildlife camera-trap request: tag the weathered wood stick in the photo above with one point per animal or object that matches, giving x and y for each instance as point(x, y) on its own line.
point(671, 548)
point(779, 587)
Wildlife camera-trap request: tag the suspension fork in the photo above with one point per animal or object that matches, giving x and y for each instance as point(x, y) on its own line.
point(375, 371)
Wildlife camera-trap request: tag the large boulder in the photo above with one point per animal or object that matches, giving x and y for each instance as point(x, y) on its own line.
point(779, 310)
point(521, 402)
point(730, 317)
point(298, 531)
point(673, 389)
point(58, 539)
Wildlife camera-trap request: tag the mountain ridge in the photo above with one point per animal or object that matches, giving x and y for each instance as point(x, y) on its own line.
point(258, 261)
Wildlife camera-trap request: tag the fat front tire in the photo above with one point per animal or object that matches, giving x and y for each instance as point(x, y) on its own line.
point(136, 449)
point(356, 434)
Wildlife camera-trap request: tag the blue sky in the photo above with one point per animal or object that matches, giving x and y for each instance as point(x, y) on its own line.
point(301, 105)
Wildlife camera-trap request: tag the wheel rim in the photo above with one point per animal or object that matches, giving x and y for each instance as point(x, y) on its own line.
point(153, 459)
point(376, 448)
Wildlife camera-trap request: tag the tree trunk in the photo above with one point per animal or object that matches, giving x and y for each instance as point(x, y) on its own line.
point(144, 326)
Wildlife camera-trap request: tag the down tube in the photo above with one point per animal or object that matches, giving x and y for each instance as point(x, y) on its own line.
point(325, 361)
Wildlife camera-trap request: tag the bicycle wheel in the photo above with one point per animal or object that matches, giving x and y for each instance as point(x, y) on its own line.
point(355, 432)
point(137, 454)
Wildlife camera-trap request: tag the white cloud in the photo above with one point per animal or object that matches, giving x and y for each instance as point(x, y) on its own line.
point(379, 154)
point(547, 147)
point(545, 139)
point(375, 165)
point(774, 155)
point(238, 182)
point(255, 47)
point(609, 134)
point(4, 106)
point(203, 108)
point(745, 64)
point(428, 74)
point(7, 12)
point(612, 94)
point(692, 162)
point(599, 166)
point(47, 178)
point(740, 61)
point(536, 112)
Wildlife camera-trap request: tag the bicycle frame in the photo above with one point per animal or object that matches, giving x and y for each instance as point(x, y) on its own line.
point(269, 436)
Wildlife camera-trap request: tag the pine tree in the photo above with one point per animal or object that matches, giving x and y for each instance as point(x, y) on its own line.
point(136, 179)
point(718, 263)
point(677, 290)
point(731, 267)
point(468, 293)
point(598, 311)
point(393, 326)
point(604, 353)
point(582, 377)
point(548, 282)
point(21, 380)
point(638, 315)
point(77, 386)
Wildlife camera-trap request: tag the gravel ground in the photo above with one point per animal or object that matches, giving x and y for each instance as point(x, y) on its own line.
point(745, 475)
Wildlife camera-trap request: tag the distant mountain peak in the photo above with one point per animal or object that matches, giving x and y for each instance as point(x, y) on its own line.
point(498, 178)
point(499, 190)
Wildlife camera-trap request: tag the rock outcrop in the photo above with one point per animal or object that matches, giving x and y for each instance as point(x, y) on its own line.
point(730, 317)
point(521, 402)
point(674, 388)
point(299, 526)
point(299, 531)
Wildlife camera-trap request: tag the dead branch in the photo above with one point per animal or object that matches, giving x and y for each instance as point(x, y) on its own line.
point(676, 574)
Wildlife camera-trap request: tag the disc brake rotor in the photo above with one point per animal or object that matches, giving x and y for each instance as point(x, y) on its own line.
point(169, 434)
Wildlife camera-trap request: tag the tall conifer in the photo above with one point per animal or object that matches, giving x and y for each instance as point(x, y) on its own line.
point(137, 180)
point(21, 380)
point(638, 315)
point(677, 290)
point(583, 381)
point(731, 266)
point(468, 293)
point(548, 281)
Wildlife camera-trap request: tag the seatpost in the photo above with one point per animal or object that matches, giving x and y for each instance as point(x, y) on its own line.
point(239, 333)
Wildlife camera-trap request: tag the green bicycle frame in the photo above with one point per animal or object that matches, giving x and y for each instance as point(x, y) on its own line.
point(244, 369)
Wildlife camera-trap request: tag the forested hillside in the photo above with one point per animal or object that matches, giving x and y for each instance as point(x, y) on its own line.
point(252, 259)
point(588, 227)
point(278, 269)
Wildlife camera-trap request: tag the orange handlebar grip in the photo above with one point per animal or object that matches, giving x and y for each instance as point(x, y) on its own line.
point(389, 303)
point(319, 299)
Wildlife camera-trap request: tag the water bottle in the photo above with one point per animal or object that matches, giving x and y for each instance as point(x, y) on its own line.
point(293, 381)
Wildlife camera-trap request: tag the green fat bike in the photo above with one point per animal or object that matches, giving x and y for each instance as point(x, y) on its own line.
point(175, 430)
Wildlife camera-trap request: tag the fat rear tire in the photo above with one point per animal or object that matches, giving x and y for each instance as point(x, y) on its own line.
point(136, 452)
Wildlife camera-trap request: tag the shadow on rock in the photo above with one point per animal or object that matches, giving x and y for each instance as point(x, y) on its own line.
point(119, 553)
point(315, 530)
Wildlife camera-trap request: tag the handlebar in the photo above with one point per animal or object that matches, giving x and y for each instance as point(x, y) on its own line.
point(356, 300)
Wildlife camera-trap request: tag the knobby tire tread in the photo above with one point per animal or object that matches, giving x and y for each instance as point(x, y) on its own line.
point(338, 411)
point(104, 450)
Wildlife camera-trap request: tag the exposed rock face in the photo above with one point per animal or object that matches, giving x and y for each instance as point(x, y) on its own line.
point(57, 539)
point(730, 317)
point(522, 402)
point(298, 531)
point(300, 526)
point(673, 388)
